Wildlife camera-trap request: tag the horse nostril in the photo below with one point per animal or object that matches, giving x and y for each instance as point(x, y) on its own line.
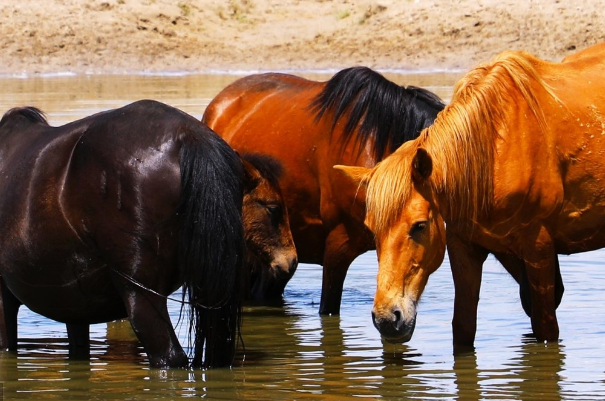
point(397, 316)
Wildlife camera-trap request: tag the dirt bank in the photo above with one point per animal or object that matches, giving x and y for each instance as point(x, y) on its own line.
point(118, 36)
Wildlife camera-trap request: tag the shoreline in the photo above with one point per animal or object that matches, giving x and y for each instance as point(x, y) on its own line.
point(184, 73)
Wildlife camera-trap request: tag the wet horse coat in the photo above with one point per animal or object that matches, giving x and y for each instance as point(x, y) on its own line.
point(513, 165)
point(105, 217)
point(355, 118)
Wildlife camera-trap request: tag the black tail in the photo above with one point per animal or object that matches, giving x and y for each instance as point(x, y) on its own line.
point(386, 113)
point(211, 245)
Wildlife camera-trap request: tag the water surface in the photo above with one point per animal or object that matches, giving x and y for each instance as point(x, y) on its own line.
point(293, 353)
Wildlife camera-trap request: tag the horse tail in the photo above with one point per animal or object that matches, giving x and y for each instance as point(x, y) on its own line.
point(378, 109)
point(211, 246)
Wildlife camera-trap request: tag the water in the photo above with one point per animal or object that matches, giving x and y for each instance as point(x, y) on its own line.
point(293, 353)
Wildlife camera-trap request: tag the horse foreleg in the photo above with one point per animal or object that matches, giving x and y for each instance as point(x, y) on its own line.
point(466, 261)
point(339, 253)
point(79, 340)
point(541, 263)
point(9, 309)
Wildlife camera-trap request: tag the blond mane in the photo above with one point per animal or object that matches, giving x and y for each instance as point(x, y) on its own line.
point(461, 142)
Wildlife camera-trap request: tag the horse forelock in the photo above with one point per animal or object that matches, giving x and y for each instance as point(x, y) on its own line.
point(389, 188)
point(269, 167)
point(376, 109)
point(31, 114)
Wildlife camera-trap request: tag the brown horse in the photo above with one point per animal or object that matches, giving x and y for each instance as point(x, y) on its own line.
point(513, 165)
point(355, 118)
point(105, 217)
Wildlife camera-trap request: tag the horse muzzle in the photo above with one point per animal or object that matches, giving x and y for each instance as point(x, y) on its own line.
point(393, 325)
point(283, 265)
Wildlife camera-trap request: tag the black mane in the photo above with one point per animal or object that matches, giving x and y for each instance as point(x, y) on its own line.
point(31, 114)
point(386, 113)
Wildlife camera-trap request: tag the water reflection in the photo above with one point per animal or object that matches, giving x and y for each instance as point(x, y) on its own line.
point(534, 372)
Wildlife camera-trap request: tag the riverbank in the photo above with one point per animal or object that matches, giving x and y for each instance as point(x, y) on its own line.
point(126, 36)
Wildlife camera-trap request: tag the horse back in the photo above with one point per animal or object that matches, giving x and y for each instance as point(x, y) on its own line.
point(257, 103)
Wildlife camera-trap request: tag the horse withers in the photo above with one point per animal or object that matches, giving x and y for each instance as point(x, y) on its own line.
point(105, 217)
point(355, 118)
point(514, 166)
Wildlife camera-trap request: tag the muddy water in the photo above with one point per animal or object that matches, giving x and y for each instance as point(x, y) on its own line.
point(293, 353)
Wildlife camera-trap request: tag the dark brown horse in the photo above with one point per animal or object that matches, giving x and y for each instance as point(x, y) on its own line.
point(356, 118)
point(103, 218)
point(271, 255)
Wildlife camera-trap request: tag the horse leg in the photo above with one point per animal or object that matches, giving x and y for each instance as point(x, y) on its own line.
point(466, 260)
point(516, 267)
point(541, 263)
point(9, 309)
point(339, 253)
point(79, 340)
point(149, 318)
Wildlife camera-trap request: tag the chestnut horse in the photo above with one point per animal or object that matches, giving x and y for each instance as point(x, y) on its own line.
point(105, 217)
point(513, 165)
point(355, 118)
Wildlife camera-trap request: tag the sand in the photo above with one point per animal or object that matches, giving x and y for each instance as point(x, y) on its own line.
point(129, 36)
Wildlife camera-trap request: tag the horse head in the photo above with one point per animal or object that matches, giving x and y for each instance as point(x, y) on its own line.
point(402, 213)
point(271, 254)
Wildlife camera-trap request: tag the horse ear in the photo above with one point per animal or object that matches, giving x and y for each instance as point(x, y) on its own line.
point(252, 176)
point(422, 165)
point(349, 184)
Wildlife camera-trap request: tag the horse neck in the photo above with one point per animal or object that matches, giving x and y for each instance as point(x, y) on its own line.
point(463, 160)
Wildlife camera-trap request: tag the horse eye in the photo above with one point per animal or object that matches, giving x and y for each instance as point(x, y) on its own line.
point(417, 228)
point(273, 209)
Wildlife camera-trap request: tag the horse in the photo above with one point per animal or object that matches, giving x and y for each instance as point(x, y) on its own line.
point(105, 217)
point(357, 118)
point(512, 165)
point(270, 250)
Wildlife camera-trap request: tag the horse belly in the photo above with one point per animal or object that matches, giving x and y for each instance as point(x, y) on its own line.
point(67, 293)
point(580, 232)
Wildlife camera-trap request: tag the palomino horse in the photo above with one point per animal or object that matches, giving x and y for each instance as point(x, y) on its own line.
point(105, 217)
point(513, 165)
point(355, 118)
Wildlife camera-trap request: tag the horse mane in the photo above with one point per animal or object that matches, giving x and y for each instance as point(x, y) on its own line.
point(385, 113)
point(461, 142)
point(269, 167)
point(31, 114)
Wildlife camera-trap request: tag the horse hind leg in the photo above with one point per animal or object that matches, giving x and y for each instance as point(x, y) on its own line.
point(9, 309)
